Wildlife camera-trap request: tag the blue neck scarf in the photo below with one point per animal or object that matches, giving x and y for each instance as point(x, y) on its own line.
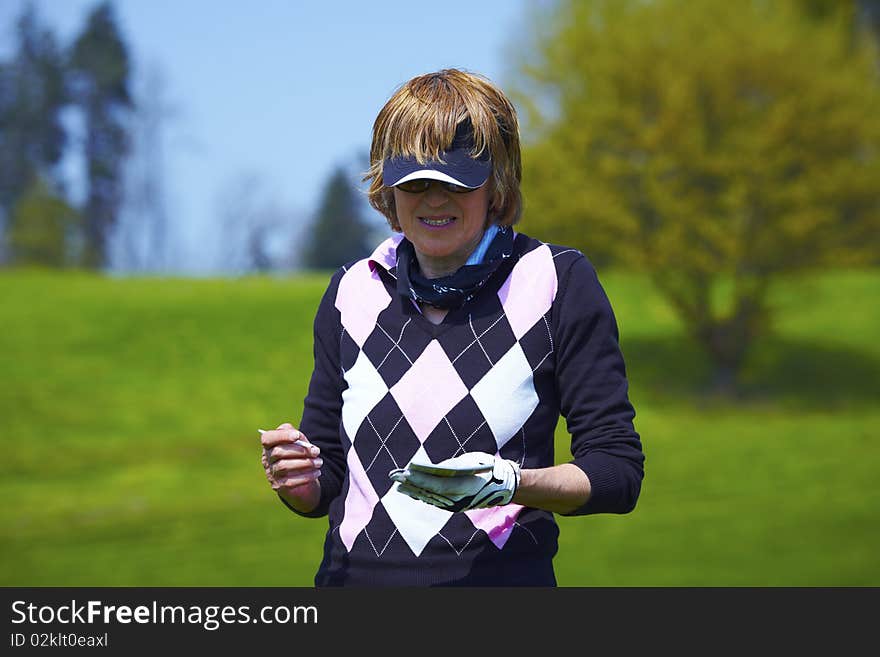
point(455, 290)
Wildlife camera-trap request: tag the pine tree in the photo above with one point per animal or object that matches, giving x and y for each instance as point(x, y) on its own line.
point(100, 65)
point(32, 97)
point(339, 233)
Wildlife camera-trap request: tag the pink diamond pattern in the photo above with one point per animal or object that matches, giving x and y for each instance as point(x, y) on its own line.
point(429, 390)
point(496, 521)
point(528, 292)
point(359, 502)
point(360, 300)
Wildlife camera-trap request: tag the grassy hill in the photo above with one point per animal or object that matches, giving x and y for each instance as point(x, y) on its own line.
point(129, 410)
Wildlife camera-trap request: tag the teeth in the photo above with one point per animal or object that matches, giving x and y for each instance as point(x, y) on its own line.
point(436, 222)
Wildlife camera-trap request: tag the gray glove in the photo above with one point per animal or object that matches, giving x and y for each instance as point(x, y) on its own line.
point(461, 492)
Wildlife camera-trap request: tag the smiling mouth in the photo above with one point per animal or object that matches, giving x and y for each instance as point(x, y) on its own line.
point(436, 222)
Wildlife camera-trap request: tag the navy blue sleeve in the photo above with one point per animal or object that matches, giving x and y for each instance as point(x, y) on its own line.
point(593, 392)
point(322, 407)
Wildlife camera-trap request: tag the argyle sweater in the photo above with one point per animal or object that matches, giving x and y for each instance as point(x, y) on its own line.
point(537, 340)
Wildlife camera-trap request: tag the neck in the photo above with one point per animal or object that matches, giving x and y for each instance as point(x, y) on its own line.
point(439, 267)
point(434, 267)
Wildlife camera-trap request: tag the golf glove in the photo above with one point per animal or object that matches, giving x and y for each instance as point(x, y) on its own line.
point(462, 492)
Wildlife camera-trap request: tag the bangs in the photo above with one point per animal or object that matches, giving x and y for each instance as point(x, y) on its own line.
point(428, 115)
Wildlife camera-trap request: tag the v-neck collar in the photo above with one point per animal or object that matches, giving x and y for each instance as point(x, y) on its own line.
point(411, 309)
point(384, 261)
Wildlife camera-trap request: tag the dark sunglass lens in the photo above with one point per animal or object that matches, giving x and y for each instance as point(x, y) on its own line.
point(422, 184)
point(414, 186)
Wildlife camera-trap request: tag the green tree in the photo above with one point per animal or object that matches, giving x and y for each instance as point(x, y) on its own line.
point(44, 229)
point(100, 68)
point(32, 97)
point(715, 145)
point(339, 233)
point(869, 15)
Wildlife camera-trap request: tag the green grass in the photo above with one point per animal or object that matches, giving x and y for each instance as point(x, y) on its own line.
point(129, 409)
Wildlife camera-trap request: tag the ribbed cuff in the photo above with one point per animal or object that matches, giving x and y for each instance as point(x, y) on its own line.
point(605, 495)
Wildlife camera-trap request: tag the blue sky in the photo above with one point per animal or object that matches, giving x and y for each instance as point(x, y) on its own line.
point(282, 90)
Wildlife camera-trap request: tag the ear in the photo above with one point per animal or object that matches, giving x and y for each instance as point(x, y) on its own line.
point(494, 206)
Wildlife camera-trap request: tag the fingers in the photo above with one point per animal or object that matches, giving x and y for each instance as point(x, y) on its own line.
point(292, 451)
point(425, 485)
point(295, 466)
point(295, 479)
point(270, 439)
point(423, 480)
point(287, 442)
point(425, 495)
point(289, 459)
point(292, 472)
point(297, 436)
point(448, 493)
point(445, 486)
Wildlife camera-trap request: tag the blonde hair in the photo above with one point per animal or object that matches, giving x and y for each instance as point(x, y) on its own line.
point(420, 121)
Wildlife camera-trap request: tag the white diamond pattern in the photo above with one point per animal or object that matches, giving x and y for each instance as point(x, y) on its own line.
point(506, 395)
point(416, 521)
point(365, 389)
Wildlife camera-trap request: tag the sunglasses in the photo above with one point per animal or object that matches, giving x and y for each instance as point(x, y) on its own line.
point(420, 185)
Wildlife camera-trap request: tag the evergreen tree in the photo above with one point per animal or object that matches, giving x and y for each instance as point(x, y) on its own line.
point(100, 67)
point(339, 233)
point(32, 96)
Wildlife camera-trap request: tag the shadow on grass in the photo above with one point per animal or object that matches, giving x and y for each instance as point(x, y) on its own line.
point(795, 374)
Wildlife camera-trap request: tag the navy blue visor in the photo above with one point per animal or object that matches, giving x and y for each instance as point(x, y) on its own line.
point(456, 166)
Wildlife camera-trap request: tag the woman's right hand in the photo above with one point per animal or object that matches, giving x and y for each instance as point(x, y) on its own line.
point(292, 465)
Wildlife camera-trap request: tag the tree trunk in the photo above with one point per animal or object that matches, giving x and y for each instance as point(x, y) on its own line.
point(728, 341)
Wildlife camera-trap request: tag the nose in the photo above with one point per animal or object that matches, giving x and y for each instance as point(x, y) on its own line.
point(435, 196)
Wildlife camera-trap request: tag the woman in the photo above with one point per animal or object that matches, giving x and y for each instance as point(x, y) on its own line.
point(458, 342)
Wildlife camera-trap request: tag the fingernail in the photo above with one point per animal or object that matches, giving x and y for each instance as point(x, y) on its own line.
point(314, 451)
point(317, 462)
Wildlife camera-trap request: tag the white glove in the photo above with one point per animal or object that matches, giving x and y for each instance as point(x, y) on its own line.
point(462, 492)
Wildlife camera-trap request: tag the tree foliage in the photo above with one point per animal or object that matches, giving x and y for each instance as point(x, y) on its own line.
point(32, 97)
point(710, 143)
point(339, 232)
point(100, 67)
point(37, 85)
point(44, 229)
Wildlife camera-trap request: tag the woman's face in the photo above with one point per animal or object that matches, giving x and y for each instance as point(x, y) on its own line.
point(444, 227)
